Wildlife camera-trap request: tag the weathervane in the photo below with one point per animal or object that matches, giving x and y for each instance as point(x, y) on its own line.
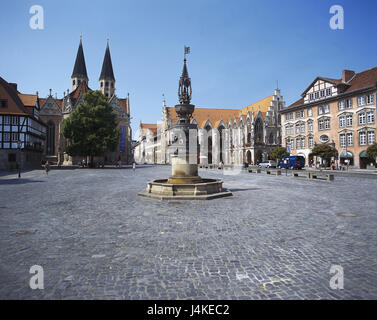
point(184, 89)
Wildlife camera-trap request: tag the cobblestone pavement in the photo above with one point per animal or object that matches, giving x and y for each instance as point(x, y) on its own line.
point(276, 238)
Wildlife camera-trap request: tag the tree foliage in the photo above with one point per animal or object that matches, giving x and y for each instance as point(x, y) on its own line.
point(324, 151)
point(91, 128)
point(372, 151)
point(278, 153)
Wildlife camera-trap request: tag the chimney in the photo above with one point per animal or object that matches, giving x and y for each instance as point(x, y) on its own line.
point(13, 85)
point(347, 75)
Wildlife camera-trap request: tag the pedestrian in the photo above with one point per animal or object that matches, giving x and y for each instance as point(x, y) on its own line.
point(133, 166)
point(47, 167)
point(120, 163)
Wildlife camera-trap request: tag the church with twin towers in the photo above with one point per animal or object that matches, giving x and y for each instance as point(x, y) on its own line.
point(53, 111)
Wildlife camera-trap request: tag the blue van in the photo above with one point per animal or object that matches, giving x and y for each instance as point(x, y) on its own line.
point(293, 162)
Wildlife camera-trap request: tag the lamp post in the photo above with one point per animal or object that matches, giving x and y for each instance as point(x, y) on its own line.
point(19, 144)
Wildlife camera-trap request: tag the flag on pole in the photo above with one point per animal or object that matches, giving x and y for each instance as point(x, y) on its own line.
point(187, 50)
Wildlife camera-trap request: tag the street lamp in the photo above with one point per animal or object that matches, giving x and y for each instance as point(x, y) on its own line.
point(19, 144)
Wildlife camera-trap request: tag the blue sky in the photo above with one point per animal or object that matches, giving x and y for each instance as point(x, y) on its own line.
point(239, 48)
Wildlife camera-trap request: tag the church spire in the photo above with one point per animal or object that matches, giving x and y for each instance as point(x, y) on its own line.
point(107, 79)
point(79, 73)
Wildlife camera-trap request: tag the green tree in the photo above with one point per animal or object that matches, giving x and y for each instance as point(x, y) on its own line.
point(324, 151)
point(278, 153)
point(91, 129)
point(372, 152)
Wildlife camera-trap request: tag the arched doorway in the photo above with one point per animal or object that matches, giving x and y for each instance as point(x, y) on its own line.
point(50, 138)
point(363, 160)
point(346, 157)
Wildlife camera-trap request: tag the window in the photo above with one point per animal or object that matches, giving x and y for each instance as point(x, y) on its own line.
point(327, 108)
point(342, 140)
point(327, 123)
point(370, 98)
point(298, 143)
point(361, 100)
point(316, 95)
point(350, 139)
point(320, 110)
point(310, 142)
point(14, 136)
point(341, 105)
point(101, 84)
point(3, 103)
point(302, 127)
point(322, 93)
point(14, 120)
point(310, 112)
point(362, 139)
point(299, 114)
point(311, 96)
point(6, 136)
point(310, 126)
point(302, 143)
point(370, 117)
point(349, 103)
point(362, 118)
point(6, 120)
point(371, 137)
point(289, 116)
point(349, 120)
point(328, 92)
point(320, 125)
point(297, 128)
point(342, 122)
point(73, 82)
point(324, 138)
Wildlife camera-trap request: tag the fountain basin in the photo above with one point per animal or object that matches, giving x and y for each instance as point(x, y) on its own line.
point(204, 189)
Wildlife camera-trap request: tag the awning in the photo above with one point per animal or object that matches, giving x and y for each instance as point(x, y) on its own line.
point(363, 154)
point(346, 154)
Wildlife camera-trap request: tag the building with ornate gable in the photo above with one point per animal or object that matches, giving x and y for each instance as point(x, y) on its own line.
point(252, 132)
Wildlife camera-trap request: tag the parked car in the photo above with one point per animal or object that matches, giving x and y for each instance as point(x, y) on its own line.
point(267, 164)
point(292, 162)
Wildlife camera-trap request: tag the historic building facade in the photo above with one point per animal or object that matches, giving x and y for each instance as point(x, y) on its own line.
point(54, 111)
point(339, 112)
point(232, 136)
point(22, 132)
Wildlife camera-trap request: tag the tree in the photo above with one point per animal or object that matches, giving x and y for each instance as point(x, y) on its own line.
point(278, 153)
point(91, 129)
point(372, 151)
point(324, 151)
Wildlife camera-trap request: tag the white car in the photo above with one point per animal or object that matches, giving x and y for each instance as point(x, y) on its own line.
point(267, 164)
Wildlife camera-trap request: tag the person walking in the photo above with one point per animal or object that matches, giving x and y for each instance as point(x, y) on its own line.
point(47, 167)
point(133, 166)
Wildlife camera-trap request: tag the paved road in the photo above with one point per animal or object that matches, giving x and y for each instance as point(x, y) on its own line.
point(276, 238)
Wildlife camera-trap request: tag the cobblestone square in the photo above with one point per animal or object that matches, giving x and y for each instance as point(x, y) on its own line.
point(276, 238)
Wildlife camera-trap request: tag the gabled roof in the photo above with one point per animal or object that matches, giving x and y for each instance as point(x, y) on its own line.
point(79, 70)
point(107, 67)
point(364, 79)
point(28, 100)
point(15, 105)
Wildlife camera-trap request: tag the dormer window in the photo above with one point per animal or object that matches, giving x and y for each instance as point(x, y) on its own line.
point(101, 84)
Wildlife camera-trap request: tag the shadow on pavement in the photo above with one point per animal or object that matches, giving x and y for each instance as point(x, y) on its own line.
point(18, 181)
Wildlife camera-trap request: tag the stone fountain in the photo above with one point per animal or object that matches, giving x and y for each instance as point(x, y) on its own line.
point(184, 183)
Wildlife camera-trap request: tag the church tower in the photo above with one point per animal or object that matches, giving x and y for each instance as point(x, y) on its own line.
point(79, 70)
point(106, 79)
